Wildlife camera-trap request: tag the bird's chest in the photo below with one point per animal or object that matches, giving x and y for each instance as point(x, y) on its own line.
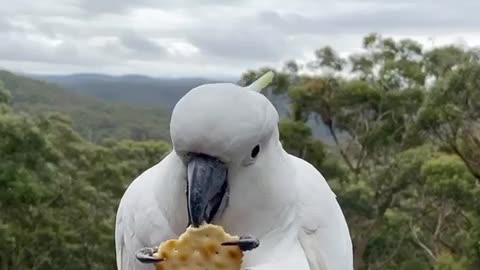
point(278, 249)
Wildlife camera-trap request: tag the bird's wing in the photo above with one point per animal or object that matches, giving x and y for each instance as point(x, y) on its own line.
point(141, 220)
point(137, 231)
point(123, 234)
point(324, 234)
point(125, 238)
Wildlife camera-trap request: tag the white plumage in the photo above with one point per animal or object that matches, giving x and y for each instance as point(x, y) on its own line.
point(278, 198)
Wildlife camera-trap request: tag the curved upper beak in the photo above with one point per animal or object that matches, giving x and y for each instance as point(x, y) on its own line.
point(206, 186)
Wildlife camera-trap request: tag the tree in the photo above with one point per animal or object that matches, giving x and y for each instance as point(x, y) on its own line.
point(402, 157)
point(405, 148)
point(59, 192)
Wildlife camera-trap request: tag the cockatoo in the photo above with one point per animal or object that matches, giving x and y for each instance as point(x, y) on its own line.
point(228, 167)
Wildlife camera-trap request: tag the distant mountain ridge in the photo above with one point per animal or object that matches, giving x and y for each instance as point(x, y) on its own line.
point(152, 92)
point(137, 90)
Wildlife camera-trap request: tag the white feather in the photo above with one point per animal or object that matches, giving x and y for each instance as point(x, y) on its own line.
point(148, 212)
point(324, 234)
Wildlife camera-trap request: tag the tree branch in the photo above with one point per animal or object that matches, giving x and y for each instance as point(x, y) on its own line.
point(392, 255)
point(421, 244)
point(363, 155)
point(451, 143)
point(438, 227)
point(337, 142)
point(457, 151)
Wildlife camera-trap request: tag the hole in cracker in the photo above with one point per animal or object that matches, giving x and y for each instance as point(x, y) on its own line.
point(233, 254)
point(183, 257)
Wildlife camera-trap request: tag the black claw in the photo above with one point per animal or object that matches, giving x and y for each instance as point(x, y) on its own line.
point(145, 255)
point(245, 243)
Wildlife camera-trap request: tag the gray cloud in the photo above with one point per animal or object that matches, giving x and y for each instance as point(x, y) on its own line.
point(94, 7)
point(5, 26)
point(230, 35)
point(12, 49)
point(420, 17)
point(247, 44)
point(414, 17)
point(140, 45)
point(123, 6)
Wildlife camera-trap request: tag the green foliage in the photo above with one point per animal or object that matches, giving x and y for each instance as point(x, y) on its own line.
point(5, 98)
point(447, 262)
point(293, 135)
point(93, 119)
point(451, 113)
point(59, 192)
point(327, 57)
point(448, 177)
point(406, 152)
point(440, 61)
point(404, 161)
point(417, 264)
point(297, 139)
point(5, 95)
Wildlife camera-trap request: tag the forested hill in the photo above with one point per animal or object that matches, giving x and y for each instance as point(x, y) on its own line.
point(136, 90)
point(406, 173)
point(152, 92)
point(123, 107)
point(93, 118)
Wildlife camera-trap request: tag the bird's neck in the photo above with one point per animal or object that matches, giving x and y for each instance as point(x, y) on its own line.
point(169, 192)
point(261, 196)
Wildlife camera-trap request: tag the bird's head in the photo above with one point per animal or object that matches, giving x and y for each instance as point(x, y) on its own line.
point(216, 129)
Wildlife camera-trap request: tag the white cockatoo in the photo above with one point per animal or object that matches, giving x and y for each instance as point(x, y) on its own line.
point(228, 167)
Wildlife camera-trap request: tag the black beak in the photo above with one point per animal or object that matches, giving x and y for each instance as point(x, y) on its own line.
point(206, 187)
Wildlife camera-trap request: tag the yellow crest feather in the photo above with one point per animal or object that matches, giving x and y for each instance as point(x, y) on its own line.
point(262, 82)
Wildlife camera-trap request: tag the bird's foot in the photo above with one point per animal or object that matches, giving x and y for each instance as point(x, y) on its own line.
point(245, 243)
point(147, 255)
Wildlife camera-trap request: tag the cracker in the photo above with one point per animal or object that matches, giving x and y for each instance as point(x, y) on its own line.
point(200, 249)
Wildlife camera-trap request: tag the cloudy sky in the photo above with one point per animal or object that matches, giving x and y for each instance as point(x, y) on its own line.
point(211, 37)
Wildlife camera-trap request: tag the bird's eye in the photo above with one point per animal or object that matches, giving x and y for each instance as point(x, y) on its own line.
point(255, 151)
